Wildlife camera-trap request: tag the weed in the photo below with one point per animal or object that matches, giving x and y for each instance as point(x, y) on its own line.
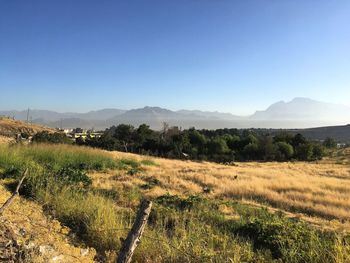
point(150, 183)
point(148, 162)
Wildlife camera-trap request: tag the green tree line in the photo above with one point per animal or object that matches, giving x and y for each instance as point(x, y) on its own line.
point(221, 145)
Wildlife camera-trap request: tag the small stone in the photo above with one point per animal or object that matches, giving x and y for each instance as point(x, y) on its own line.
point(30, 245)
point(58, 258)
point(45, 249)
point(84, 252)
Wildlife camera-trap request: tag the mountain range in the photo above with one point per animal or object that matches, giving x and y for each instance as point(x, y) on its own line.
point(298, 113)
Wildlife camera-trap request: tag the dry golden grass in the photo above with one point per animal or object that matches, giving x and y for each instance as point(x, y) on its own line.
point(32, 228)
point(6, 140)
point(10, 127)
point(318, 192)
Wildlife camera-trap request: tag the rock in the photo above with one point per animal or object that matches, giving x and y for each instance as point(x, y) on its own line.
point(45, 249)
point(29, 246)
point(57, 258)
point(84, 252)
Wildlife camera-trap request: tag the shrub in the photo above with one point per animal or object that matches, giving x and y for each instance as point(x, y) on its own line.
point(46, 137)
point(304, 152)
point(317, 152)
point(70, 176)
point(329, 143)
point(284, 151)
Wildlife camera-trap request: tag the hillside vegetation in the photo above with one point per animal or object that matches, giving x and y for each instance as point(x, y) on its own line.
point(202, 212)
point(27, 234)
point(10, 127)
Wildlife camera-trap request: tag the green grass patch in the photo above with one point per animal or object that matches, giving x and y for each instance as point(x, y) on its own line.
point(148, 162)
point(132, 167)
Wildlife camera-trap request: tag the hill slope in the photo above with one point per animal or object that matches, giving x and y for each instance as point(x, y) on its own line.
point(339, 133)
point(10, 127)
point(30, 236)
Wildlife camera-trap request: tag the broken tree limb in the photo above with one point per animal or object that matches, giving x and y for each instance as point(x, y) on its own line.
point(12, 197)
point(134, 236)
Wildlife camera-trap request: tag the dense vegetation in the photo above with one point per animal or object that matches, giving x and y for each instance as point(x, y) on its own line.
point(181, 229)
point(222, 145)
point(46, 137)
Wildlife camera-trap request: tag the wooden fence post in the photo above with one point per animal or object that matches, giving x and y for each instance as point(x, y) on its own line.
point(134, 236)
point(12, 197)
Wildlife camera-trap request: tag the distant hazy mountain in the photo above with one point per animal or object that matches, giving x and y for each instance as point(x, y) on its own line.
point(304, 109)
point(104, 114)
point(210, 114)
point(148, 113)
point(52, 116)
point(298, 113)
point(36, 114)
point(156, 116)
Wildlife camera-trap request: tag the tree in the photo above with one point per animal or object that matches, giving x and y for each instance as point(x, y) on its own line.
point(107, 141)
point(285, 151)
point(250, 151)
point(165, 127)
point(47, 137)
point(304, 152)
point(197, 140)
point(298, 140)
point(267, 149)
point(217, 146)
point(142, 134)
point(124, 133)
point(232, 141)
point(317, 152)
point(248, 137)
point(283, 137)
point(222, 145)
point(329, 143)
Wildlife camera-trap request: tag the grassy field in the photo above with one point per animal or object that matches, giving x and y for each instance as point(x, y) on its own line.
point(203, 212)
point(320, 190)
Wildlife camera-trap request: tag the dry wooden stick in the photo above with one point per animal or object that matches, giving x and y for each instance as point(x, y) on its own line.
point(12, 197)
point(135, 233)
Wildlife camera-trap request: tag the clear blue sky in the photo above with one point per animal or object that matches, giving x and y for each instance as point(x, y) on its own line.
point(232, 56)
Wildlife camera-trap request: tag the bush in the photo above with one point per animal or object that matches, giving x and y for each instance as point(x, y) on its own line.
point(46, 137)
point(71, 176)
point(284, 151)
point(287, 240)
point(317, 152)
point(304, 152)
point(329, 143)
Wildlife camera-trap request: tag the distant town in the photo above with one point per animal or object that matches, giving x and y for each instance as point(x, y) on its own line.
point(80, 133)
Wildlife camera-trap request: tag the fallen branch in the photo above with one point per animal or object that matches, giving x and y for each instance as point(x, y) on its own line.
point(134, 236)
point(12, 197)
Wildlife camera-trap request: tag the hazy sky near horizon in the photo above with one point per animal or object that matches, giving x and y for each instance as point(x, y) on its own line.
point(231, 56)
